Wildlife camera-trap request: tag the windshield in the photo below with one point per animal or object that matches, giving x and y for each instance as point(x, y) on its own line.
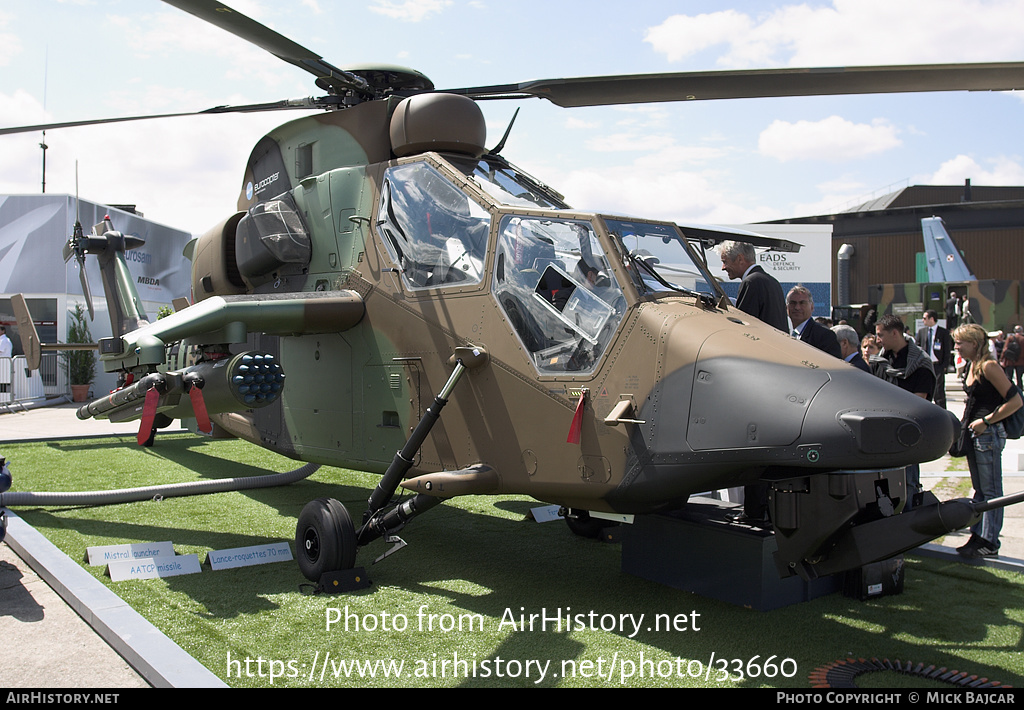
point(659, 260)
point(507, 184)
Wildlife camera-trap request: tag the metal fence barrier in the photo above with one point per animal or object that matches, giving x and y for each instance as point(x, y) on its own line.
point(22, 385)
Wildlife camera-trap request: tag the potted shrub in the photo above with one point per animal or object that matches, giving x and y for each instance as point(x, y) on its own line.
point(80, 364)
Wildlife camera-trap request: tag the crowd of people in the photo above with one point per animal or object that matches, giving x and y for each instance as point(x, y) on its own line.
point(918, 363)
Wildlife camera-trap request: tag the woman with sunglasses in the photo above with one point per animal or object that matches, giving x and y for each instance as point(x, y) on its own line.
point(987, 388)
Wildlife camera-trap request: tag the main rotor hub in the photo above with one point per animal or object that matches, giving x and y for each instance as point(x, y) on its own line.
point(388, 78)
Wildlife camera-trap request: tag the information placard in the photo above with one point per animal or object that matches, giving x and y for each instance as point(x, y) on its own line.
point(545, 514)
point(105, 554)
point(153, 567)
point(246, 556)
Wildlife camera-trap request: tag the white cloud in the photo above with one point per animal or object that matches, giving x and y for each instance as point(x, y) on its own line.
point(577, 124)
point(632, 191)
point(681, 36)
point(670, 157)
point(847, 31)
point(617, 142)
point(21, 108)
point(185, 172)
point(10, 45)
point(832, 139)
point(651, 188)
point(177, 34)
point(1002, 170)
point(410, 10)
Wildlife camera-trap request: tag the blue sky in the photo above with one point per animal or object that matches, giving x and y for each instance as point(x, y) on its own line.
point(724, 161)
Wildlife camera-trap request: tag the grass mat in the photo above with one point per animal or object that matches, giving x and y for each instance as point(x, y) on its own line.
point(447, 609)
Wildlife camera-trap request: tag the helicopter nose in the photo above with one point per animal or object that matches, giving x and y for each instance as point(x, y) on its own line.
point(728, 412)
point(811, 417)
point(713, 423)
point(885, 425)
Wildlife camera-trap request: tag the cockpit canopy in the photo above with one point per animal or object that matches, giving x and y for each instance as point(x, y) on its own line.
point(563, 281)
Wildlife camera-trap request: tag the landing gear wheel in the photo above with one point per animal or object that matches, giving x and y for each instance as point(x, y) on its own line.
point(325, 538)
point(586, 526)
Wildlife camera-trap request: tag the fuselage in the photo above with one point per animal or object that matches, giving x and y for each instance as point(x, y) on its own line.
point(611, 327)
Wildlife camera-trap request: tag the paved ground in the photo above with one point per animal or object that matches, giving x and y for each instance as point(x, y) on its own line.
point(38, 628)
point(47, 644)
point(34, 620)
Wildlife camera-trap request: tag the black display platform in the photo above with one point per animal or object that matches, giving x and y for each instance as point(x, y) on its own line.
point(700, 550)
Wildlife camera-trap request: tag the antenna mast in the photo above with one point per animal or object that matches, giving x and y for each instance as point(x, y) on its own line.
point(46, 62)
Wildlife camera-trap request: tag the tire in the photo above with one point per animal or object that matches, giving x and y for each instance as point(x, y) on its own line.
point(586, 526)
point(325, 538)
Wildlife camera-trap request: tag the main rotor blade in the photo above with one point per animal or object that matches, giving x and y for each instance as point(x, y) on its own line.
point(250, 30)
point(309, 103)
point(759, 83)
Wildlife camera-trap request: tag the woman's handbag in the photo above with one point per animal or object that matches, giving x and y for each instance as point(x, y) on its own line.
point(960, 444)
point(1014, 424)
point(963, 440)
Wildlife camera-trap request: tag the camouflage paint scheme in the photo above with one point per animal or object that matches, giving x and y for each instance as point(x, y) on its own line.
point(995, 304)
point(676, 393)
point(606, 389)
point(743, 399)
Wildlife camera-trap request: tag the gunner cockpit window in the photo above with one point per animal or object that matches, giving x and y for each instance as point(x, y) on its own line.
point(555, 286)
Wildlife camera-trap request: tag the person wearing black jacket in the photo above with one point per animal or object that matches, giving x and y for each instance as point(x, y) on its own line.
point(934, 340)
point(849, 346)
point(800, 305)
point(905, 365)
point(760, 294)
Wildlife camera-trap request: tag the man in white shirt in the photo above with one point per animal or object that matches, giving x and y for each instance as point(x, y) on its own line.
point(6, 351)
point(934, 340)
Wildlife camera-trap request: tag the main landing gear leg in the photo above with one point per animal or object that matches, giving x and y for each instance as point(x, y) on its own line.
point(326, 539)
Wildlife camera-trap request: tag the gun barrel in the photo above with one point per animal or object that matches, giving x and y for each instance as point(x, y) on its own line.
point(1001, 502)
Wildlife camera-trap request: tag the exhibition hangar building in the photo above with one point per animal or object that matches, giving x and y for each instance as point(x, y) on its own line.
point(33, 231)
point(985, 223)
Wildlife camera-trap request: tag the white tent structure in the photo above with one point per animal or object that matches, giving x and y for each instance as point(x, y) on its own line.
point(33, 230)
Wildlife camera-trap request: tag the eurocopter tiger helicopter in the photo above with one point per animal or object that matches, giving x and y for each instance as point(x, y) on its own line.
point(383, 265)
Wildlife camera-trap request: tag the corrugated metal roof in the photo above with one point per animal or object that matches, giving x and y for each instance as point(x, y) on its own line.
point(879, 203)
point(927, 195)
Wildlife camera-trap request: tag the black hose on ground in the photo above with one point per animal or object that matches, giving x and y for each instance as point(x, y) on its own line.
point(170, 490)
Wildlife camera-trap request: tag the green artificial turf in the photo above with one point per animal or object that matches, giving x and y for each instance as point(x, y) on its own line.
point(443, 606)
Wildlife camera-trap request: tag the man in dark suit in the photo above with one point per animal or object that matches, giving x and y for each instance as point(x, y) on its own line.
point(951, 308)
point(934, 340)
point(849, 347)
point(760, 294)
point(800, 305)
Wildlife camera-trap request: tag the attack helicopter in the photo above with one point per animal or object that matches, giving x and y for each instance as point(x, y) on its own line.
point(384, 267)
